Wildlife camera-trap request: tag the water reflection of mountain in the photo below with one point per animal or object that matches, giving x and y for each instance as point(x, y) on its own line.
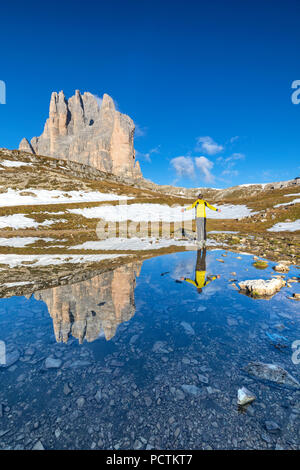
point(86, 309)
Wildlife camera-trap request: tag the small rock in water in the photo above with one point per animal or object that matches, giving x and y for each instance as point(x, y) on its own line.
point(282, 267)
point(98, 396)
point(38, 446)
point(159, 346)
point(52, 363)
point(272, 427)
point(261, 287)
point(192, 389)
point(203, 379)
point(245, 396)
point(80, 402)
point(11, 358)
point(188, 328)
point(273, 373)
point(67, 389)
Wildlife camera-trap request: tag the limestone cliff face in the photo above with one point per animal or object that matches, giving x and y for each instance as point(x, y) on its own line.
point(81, 130)
point(86, 309)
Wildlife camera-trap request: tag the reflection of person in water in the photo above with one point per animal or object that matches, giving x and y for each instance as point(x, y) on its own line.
point(200, 280)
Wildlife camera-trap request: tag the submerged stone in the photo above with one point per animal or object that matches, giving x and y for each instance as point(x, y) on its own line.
point(52, 363)
point(188, 328)
point(11, 358)
point(273, 373)
point(38, 446)
point(191, 389)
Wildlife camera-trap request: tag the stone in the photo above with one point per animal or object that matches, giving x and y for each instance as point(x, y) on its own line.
point(98, 396)
point(245, 396)
point(52, 363)
point(80, 402)
point(148, 401)
point(203, 379)
point(261, 287)
point(67, 389)
point(159, 347)
point(137, 445)
point(188, 328)
point(191, 389)
point(11, 358)
point(272, 427)
point(38, 446)
point(89, 131)
point(281, 268)
point(273, 373)
point(179, 394)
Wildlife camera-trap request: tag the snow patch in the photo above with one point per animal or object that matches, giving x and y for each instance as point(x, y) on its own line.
point(295, 201)
point(46, 260)
point(43, 196)
point(135, 243)
point(157, 212)
point(285, 226)
point(19, 221)
point(11, 164)
point(20, 242)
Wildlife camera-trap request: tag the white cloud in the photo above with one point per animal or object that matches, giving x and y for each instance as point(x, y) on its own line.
point(205, 167)
point(234, 139)
point(231, 161)
point(235, 156)
point(140, 131)
point(184, 166)
point(230, 173)
point(208, 145)
point(146, 156)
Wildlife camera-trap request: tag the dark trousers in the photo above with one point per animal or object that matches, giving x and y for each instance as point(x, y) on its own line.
point(201, 260)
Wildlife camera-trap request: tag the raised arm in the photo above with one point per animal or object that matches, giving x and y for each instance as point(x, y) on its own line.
point(189, 207)
point(210, 279)
point(212, 207)
point(186, 279)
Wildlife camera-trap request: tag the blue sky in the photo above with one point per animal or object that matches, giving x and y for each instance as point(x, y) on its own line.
point(208, 84)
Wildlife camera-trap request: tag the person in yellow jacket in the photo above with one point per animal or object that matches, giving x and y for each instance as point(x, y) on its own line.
point(200, 205)
point(201, 280)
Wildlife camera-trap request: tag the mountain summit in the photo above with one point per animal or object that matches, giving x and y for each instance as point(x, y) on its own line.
point(89, 131)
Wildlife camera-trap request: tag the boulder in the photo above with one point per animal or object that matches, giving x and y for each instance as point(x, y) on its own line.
point(261, 287)
point(281, 267)
point(245, 396)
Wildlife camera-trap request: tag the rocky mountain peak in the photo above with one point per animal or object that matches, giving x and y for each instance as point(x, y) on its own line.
point(81, 130)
